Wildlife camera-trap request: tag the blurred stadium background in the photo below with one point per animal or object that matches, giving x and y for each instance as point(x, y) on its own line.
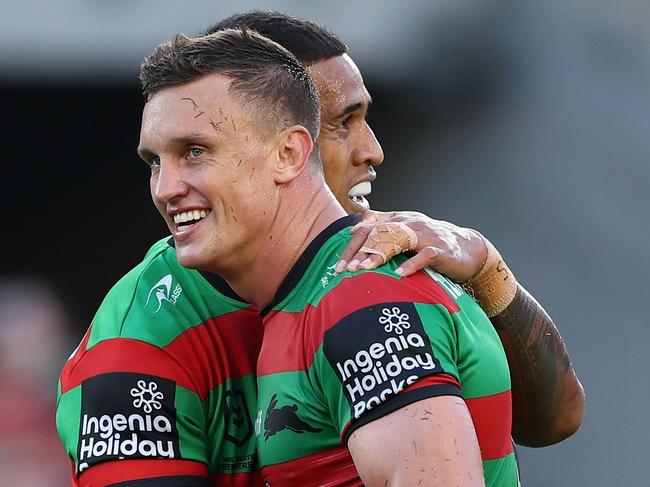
point(529, 121)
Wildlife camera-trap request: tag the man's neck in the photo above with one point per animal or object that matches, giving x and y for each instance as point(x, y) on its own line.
point(296, 224)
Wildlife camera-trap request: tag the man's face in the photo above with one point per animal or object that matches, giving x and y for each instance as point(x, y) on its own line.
point(348, 147)
point(209, 171)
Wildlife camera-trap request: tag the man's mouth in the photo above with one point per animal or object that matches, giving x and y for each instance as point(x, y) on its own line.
point(358, 193)
point(188, 218)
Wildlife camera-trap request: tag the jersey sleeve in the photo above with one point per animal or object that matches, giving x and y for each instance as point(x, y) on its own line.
point(129, 415)
point(385, 352)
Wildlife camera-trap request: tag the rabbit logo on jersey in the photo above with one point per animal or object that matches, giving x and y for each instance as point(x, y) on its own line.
point(377, 352)
point(126, 415)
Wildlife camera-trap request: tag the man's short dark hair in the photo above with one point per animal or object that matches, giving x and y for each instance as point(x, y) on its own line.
point(308, 41)
point(266, 77)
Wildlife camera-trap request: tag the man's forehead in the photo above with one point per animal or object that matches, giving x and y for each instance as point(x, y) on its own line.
point(202, 109)
point(339, 82)
point(197, 95)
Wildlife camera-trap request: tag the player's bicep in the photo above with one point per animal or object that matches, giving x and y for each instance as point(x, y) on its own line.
point(430, 442)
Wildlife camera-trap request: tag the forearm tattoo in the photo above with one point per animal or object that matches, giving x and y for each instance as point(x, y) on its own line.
point(538, 360)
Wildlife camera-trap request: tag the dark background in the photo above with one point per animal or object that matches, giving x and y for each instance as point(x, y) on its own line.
point(528, 121)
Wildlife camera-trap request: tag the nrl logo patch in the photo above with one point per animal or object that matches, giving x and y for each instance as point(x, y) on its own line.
point(162, 291)
point(238, 423)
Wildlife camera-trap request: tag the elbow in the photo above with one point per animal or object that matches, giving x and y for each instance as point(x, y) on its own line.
point(566, 422)
point(570, 419)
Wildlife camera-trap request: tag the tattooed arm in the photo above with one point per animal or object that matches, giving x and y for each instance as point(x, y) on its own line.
point(548, 399)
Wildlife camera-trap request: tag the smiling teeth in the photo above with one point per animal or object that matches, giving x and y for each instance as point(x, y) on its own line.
point(191, 215)
point(362, 189)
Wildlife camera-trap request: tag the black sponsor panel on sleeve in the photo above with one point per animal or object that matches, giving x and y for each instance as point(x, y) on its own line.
point(127, 416)
point(378, 351)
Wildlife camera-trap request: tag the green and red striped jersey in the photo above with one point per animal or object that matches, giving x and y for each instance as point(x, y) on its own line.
point(341, 350)
point(162, 386)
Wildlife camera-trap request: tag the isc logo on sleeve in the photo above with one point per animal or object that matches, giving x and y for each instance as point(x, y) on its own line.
point(126, 415)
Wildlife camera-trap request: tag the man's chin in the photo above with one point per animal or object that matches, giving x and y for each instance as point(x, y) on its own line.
point(189, 259)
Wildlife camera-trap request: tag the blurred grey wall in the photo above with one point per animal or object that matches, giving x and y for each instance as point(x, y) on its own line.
point(529, 121)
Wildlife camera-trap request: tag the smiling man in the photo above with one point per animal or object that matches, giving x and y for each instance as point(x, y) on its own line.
point(184, 329)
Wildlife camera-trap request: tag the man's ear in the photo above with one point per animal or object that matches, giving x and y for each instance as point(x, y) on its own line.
point(295, 146)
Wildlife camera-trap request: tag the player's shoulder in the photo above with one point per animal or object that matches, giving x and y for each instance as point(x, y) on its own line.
point(158, 300)
point(154, 276)
point(323, 287)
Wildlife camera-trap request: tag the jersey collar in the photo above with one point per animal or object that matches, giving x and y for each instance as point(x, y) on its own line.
point(303, 262)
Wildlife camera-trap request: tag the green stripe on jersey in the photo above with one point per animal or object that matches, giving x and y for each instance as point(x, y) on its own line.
point(158, 290)
point(495, 471)
point(68, 421)
point(191, 428)
point(295, 423)
point(471, 331)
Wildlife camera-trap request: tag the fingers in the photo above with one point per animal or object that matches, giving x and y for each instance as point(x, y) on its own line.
point(381, 242)
point(366, 261)
point(389, 239)
point(362, 260)
point(351, 251)
point(427, 257)
point(456, 252)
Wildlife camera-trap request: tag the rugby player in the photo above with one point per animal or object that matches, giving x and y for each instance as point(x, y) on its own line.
point(195, 314)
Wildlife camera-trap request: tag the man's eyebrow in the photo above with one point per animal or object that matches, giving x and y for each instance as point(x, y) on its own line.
point(353, 108)
point(181, 141)
point(350, 109)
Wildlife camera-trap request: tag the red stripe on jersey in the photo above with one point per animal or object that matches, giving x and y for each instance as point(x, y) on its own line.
point(492, 417)
point(222, 347)
point(72, 362)
point(74, 481)
point(329, 468)
point(123, 355)
point(237, 480)
point(199, 359)
point(123, 470)
point(367, 289)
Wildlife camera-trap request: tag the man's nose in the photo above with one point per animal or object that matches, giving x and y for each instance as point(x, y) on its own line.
point(369, 150)
point(168, 183)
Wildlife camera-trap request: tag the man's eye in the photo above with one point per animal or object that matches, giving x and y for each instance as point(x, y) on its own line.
point(196, 152)
point(154, 161)
point(346, 122)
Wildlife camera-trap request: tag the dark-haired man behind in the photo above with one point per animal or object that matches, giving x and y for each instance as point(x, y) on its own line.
point(373, 360)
